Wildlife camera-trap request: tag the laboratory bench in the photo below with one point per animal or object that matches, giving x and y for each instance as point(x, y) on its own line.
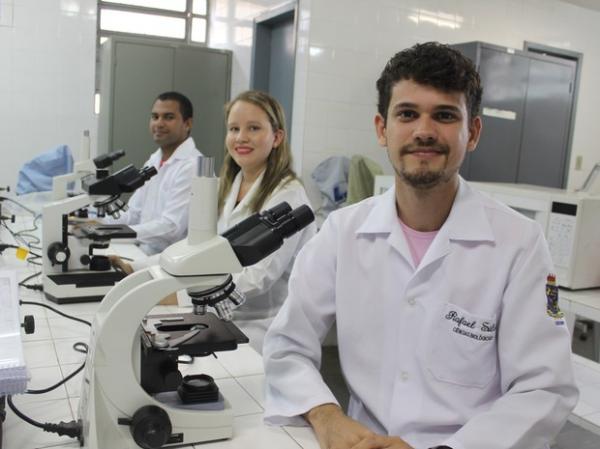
point(584, 304)
point(239, 374)
point(50, 357)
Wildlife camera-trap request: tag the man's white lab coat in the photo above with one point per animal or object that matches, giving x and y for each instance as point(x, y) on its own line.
point(264, 283)
point(460, 351)
point(158, 211)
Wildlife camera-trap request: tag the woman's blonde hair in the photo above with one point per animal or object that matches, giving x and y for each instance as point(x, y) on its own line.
point(279, 162)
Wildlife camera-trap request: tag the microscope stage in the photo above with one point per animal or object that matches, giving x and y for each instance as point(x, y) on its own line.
point(214, 334)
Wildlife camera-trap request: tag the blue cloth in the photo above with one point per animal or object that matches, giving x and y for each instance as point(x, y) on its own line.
point(331, 176)
point(36, 175)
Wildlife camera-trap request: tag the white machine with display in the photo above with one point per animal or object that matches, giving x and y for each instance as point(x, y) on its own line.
point(132, 393)
point(571, 224)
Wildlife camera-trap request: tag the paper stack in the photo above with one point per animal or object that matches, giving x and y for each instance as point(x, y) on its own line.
point(13, 371)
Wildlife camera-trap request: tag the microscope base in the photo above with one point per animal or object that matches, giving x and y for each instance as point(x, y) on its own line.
point(73, 300)
point(75, 287)
point(102, 430)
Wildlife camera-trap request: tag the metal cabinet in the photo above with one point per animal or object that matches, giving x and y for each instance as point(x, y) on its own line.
point(134, 71)
point(526, 111)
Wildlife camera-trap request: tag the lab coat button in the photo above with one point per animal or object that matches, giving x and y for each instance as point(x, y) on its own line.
point(411, 301)
point(404, 376)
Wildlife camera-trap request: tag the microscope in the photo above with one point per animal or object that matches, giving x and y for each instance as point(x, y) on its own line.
point(132, 393)
point(72, 271)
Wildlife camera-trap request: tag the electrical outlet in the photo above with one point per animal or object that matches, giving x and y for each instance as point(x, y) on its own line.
point(578, 162)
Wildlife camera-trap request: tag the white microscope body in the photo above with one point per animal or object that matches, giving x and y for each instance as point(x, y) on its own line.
point(115, 410)
point(71, 270)
point(61, 283)
point(111, 383)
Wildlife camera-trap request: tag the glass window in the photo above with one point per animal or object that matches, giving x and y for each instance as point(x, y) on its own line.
point(199, 30)
point(139, 23)
point(184, 20)
point(171, 5)
point(199, 7)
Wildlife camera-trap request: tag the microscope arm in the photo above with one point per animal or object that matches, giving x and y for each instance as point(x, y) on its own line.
point(59, 183)
point(112, 372)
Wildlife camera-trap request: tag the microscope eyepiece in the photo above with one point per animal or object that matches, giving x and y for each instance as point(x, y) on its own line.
point(279, 211)
point(106, 160)
point(297, 219)
point(259, 235)
point(148, 172)
point(127, 179)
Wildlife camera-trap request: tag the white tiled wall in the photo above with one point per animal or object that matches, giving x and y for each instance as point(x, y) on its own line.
point(47, 51)
point(350, 41)
point(47, 63)
point(230, 27)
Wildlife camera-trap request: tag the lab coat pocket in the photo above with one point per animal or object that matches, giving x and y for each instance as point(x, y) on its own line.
point(462, 347)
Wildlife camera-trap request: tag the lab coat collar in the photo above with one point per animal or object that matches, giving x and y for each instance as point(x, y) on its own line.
point(230, 205)
point(185, 150)
point(467, 220)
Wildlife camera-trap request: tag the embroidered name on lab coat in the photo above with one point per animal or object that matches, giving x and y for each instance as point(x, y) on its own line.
point(472, 328)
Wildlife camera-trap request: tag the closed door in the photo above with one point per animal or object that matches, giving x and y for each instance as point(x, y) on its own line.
point(546, 124)
point(273, 60)
point(504, 79)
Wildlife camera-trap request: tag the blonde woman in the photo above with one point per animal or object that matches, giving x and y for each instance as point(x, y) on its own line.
point(256, 175)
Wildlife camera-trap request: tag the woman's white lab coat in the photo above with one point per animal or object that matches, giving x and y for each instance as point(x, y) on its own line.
point(462, 350)
point(264, 283)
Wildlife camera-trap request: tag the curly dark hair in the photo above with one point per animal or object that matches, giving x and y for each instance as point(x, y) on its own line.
point(431, 64)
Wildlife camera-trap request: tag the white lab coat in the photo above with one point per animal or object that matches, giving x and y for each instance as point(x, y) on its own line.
point(158, 211)
point(412, 371)
point(264, 283)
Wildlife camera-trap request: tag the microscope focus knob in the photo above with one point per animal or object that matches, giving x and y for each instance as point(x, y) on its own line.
point(58, 253)
point(150, 427)
point(28, 324)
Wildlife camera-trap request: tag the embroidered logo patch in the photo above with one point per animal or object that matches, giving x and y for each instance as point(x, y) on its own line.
point(552, 307)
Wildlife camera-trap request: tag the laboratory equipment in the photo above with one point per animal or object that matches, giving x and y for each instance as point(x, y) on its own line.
point(128, 397)
point(569, 221)
point(73, 271)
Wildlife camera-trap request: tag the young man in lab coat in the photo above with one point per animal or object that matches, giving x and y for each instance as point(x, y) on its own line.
point(158, 211)
point(448, 327)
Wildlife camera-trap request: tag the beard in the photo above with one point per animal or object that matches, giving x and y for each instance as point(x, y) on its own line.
point(424, 178)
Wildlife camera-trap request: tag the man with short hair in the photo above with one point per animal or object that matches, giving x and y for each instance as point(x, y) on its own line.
point(158, 211)
point(448, 326)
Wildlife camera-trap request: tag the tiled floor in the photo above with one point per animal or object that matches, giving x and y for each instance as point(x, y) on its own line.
point(50, 356)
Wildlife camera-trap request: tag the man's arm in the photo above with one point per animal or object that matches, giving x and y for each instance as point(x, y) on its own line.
point(292, 354)
point(335, 430)
point(534, 361)
point(292, 347)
